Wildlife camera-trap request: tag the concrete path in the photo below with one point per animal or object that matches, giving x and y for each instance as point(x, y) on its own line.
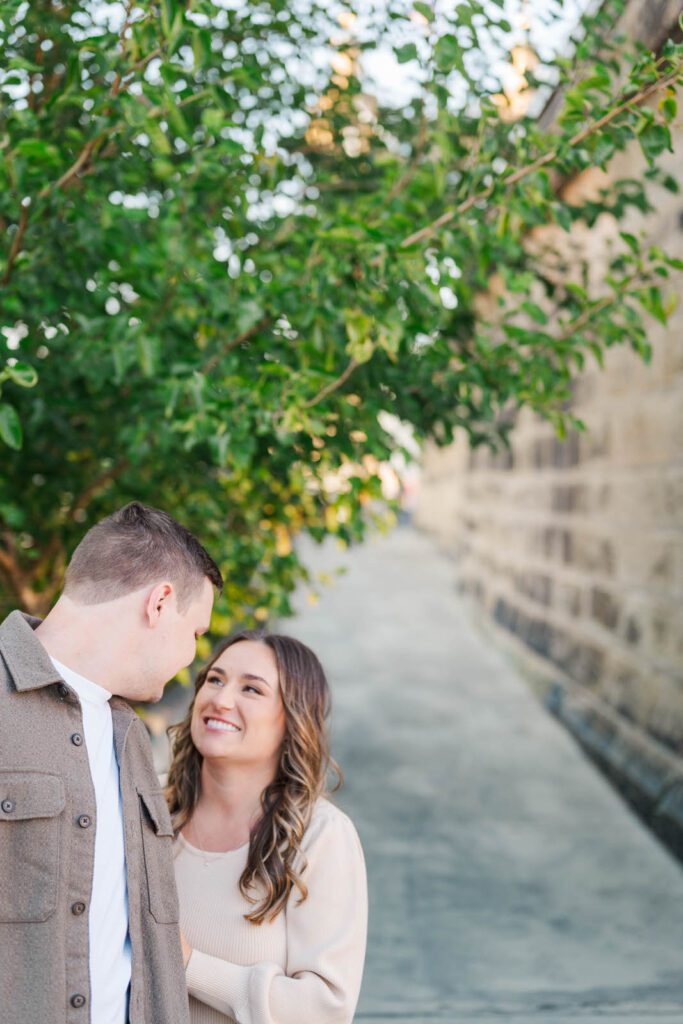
point(508, 882)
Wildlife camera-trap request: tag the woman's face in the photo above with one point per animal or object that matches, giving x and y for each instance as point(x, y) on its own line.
point(238, 714)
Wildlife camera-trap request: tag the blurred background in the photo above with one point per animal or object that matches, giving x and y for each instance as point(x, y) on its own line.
point(382, 302)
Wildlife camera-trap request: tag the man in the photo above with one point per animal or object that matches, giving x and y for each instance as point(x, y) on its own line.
point(88, 908)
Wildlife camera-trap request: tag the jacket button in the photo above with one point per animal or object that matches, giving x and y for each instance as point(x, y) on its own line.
point(84, 821)
point(77, 1001)
point(63, 691)
point(7, 806)
point(78, 908)
point(77, 739)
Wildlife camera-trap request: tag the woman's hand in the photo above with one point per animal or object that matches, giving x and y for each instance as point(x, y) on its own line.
point(186, 948)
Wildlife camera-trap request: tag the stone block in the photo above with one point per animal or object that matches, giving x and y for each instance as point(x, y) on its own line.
point(569, 599)
point(605, 608)
point(649, 429)
point(650, 561)
point(632, 631)
point(570, 498)
point(592, 553)
point(536, 586)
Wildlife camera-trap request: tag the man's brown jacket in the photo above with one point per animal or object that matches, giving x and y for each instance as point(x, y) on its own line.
point(47, 846)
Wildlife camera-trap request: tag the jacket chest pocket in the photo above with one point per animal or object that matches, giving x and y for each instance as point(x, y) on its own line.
point(31, 803)
point(157, 846)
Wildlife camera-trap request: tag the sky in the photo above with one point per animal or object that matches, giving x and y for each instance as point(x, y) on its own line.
point(550, 26)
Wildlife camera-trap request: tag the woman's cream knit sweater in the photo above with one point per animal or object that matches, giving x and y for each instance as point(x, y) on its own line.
point(303, 968)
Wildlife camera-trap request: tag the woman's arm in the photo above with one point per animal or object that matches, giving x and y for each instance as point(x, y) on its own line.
point(326, 937)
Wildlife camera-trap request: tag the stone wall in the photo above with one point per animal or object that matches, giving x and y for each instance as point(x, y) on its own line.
point(573, 551)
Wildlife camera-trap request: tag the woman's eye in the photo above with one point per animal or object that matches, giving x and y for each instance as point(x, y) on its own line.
point(214, 679)
point(253, 689)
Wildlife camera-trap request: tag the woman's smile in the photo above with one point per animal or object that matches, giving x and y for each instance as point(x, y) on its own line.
point(220, 725)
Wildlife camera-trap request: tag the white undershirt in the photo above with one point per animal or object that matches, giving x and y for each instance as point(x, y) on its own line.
point(110, 950)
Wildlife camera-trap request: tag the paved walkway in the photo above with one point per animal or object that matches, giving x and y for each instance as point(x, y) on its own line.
point(507, 881)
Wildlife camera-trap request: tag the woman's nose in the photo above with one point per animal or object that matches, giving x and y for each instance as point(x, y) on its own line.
point(225, 698)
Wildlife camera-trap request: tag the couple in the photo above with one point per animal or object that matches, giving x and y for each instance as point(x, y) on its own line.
point(269, 927)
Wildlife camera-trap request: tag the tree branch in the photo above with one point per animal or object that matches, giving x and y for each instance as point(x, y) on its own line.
point(129, 75)
point(80, 162)
point(545, 158)
point(15, 575)
point(215, 359)
point(98, 484)
point(122, 45)
point(49, 554)
point(333, 385)
point(16, 241)
point(585, 317)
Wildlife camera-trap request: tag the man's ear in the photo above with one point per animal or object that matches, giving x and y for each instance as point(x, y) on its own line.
point(160, 596)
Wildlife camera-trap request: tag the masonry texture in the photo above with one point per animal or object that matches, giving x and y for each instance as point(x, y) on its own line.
point(574, 549)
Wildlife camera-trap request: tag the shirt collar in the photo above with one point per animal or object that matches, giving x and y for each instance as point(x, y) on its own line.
point(26, 658)
point(84, 687)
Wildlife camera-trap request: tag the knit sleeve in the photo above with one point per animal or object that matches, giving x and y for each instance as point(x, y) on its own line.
point(326, 936)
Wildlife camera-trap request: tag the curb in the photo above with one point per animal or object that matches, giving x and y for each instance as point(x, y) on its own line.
point(648, 776)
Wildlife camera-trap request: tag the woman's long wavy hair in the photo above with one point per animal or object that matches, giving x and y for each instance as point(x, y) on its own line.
point(273, 866)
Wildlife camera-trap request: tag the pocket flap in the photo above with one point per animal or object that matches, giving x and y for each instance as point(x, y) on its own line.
point(30, 794)
point(155, 804)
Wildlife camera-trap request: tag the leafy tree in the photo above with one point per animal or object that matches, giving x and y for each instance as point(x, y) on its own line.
point(226, 260)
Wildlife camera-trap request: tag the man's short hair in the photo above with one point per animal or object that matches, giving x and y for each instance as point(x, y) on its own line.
point(135, 546)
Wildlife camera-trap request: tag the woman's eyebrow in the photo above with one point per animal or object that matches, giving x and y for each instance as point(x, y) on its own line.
point(218, 671)
point(259, 679)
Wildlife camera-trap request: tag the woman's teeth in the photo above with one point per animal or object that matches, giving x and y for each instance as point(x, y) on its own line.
point(214, 723)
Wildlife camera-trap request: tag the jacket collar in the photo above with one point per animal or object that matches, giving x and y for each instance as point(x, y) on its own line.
point(25, 657)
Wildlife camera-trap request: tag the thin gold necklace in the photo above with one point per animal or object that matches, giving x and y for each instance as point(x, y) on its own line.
point(210, 856)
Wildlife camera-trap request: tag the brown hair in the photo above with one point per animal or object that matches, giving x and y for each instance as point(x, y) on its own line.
point(135, 546)
point(287, 802)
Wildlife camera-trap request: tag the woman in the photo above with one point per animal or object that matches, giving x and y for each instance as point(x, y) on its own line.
point(271, 878)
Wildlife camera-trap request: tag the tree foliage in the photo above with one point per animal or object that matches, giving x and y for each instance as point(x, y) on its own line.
point(225, 257)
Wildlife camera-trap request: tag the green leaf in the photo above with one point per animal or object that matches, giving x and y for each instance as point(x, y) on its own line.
point(563, 216)
point(448, 53)
point(10, 427)
point(669, 108)
point(213, 118)
point(535, 312)
point(21, 64)
point(176, 118)
point(631, 241)
point(37, 149)
point(425, 10)
point(406, 53)
point(603, 151)
point(654, 139)
point(389, 338)
point(22, 374)
point(147, 354)
point(358, 328)
point(159, 139)
point(652, 301)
